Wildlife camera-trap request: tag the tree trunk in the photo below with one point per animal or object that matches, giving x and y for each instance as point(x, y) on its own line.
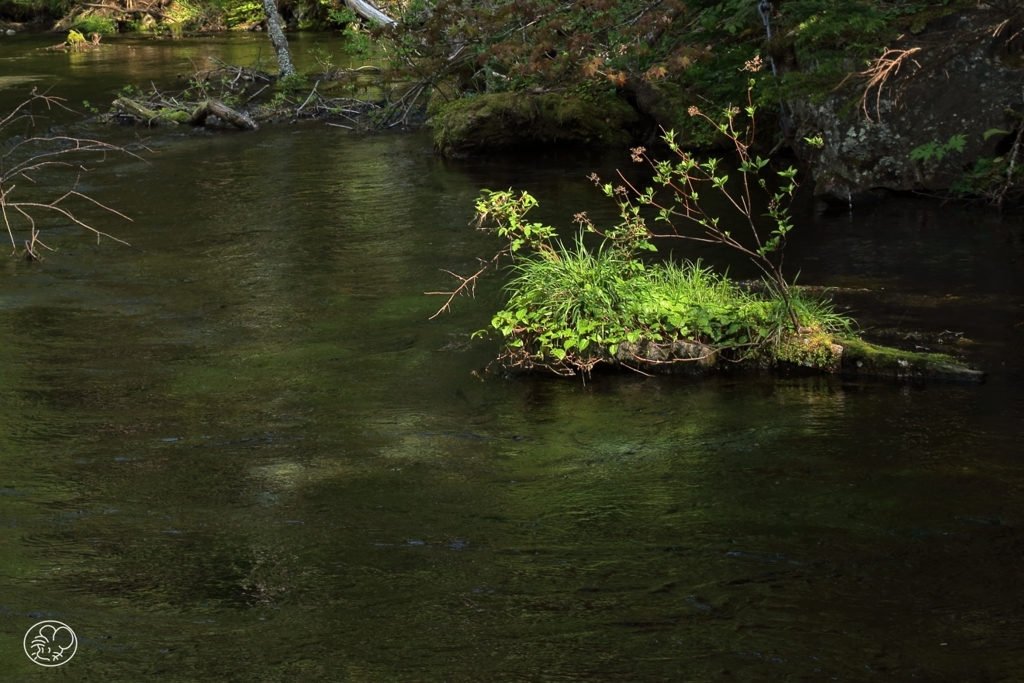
point(198, 116)
point(369, 12)
point(284, 57)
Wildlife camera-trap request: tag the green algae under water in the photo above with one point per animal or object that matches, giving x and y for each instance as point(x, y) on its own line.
point(243, 452)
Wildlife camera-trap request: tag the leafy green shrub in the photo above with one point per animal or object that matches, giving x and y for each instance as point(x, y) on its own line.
point(292, 84)
point(242, 13)
point(997, 180)
point(934, 150)
point(584, 300)
point(571, 308)
point(92, 23)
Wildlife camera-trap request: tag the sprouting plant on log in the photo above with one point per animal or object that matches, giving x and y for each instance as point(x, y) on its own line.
point(28, 158)
point(572, 307)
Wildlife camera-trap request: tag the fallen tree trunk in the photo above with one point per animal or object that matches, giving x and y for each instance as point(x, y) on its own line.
point(198, 116)
point(869, 360)
point(148, 116)
point(848, 357)
point(818, 354)
point(369, 12)
point(224, 113)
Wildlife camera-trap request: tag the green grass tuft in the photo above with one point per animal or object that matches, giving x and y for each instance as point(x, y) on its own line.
point(573, 308)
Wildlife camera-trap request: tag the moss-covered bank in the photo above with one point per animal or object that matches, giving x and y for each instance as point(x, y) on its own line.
point(495, 121)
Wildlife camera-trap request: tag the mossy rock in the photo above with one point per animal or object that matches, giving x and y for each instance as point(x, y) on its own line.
point(812, 351)
point(863, 359)
point(504, 120)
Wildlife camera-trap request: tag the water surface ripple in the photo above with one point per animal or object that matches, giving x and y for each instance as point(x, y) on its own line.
point(242, 452)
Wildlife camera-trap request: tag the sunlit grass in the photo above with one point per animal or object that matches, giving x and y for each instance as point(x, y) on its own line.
point(577, 300)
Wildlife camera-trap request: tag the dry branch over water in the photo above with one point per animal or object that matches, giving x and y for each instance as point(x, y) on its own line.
point(27, 197)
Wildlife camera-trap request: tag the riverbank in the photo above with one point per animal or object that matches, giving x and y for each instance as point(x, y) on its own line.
point(640, 337)
point(870, 80)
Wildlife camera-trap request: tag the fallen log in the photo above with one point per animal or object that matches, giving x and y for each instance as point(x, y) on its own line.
point(369, 12)
point(148, 116)
point(850, 358)
point(197, 117)
point(224, 113)
point(861, 359)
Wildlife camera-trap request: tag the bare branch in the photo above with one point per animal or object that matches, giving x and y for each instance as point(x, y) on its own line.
point(468, 284)
point(31, 157)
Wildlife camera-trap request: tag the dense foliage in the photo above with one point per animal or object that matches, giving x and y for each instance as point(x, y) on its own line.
point(466, 47)
point(177, 15)
point(573, 307)
point(500, 45)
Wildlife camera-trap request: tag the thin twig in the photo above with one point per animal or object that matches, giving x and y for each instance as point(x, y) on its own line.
point(467, 283)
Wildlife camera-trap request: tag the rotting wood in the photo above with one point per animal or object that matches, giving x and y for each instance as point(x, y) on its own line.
point(852, 358)
point(144, 114)
point(224, 113)
point(197, 117)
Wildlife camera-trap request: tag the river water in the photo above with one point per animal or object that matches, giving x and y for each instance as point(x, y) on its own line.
point(241, 451)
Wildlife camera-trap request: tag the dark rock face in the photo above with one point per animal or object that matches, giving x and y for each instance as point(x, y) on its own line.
point(964, 75)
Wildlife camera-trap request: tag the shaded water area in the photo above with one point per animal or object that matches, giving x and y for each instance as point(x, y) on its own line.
point(243, 452)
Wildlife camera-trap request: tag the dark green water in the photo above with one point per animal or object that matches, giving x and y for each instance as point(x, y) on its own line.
point(244, 453)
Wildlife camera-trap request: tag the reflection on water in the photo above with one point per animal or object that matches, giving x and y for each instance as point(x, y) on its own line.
point(243, 452)
point(141, 61)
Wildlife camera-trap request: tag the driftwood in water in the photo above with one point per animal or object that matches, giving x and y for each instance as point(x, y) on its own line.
point(224, 113)
point(146, 115)
point(197, 117)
